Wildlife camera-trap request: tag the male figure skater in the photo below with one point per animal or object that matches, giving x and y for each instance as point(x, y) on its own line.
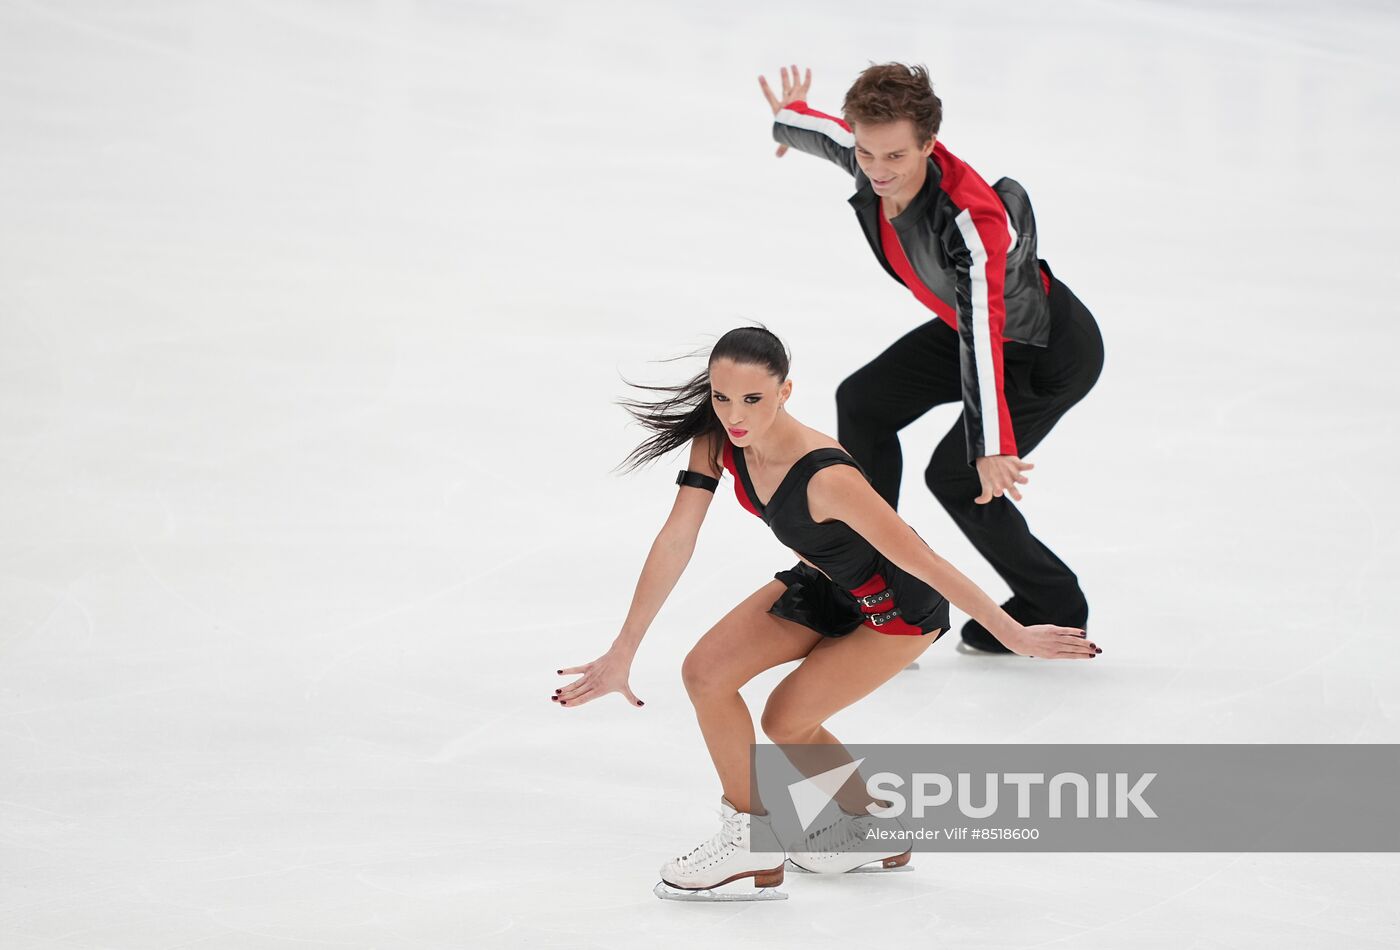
point(1009, 339)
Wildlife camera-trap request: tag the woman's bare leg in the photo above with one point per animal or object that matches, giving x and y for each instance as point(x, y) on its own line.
point(745, 642)
point(835, 674)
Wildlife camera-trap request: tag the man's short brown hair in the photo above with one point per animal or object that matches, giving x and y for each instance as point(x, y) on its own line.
point(888, 92)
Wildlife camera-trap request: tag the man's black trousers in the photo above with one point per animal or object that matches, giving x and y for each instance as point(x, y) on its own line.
point(920, 371)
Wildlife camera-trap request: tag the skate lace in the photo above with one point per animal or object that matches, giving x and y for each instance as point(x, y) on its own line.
point(833, 836)
point(727, 836)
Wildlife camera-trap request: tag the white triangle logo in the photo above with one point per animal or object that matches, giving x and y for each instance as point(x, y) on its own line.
point(811, 795)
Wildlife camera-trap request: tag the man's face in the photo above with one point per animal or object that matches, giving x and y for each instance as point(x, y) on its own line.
point(890, 155)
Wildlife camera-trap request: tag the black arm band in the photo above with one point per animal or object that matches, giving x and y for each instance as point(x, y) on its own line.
point(696, 480)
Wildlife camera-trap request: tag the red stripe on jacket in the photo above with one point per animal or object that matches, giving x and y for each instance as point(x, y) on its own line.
point(801, 107)
point(894, 253)
point(967, 190)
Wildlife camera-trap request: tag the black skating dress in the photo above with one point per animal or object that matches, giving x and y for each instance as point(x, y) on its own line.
point(856, 585)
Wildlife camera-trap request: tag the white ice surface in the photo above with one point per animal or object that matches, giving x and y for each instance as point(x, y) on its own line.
point(311, 316)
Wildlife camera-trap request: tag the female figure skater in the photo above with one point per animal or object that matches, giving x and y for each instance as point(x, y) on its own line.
point(866, 598)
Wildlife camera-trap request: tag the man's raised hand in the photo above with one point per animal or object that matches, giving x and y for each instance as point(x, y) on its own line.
point(793, 91)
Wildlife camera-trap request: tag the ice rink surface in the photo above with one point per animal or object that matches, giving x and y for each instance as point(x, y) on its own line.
point(311, 319)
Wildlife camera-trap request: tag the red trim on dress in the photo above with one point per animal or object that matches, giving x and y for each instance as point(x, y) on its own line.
point(739, 491)
point(897, 626)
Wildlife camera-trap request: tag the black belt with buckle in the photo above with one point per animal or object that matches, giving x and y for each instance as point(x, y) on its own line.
point(884, 618)
point(870, 600)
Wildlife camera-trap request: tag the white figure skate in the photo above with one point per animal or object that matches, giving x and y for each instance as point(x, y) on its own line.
point(723, 868)
point(834, 848)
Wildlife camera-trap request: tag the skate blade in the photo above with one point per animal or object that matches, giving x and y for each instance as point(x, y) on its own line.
point(746, 893)
point(871, 868)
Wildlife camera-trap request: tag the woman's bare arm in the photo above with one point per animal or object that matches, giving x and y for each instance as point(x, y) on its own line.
point(670, 553)
point(840, 492)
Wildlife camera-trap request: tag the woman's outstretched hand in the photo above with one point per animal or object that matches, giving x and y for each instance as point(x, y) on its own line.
point(607, 674)
point(1050, 642)
point(793, 91)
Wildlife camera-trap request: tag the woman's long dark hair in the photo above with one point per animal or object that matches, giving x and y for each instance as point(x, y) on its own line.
point(683, 412)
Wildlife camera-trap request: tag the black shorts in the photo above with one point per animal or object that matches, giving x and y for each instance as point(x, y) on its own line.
point(815, 601)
